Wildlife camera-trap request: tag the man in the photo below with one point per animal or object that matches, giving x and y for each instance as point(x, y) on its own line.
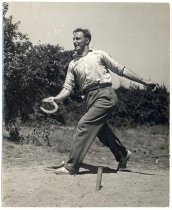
point(90, 68)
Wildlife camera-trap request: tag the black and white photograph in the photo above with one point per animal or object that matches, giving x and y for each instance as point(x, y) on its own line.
point(85, 104)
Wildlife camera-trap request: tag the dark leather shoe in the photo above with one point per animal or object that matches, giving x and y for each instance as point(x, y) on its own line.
point(123, 162)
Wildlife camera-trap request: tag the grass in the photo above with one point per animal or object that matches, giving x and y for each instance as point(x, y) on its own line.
point(147, 143)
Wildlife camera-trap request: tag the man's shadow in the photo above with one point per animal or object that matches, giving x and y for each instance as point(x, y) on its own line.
point(91, 169)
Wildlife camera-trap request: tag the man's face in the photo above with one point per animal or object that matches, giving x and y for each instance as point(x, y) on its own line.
point(79, 41)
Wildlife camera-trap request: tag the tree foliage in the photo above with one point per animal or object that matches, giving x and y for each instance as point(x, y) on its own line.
point(16, 46)
point(141, 106)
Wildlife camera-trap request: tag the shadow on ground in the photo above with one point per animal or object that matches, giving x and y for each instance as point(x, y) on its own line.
point(91, 169)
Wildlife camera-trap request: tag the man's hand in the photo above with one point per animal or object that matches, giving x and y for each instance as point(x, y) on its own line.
point(151, 85)
point(49, 99)
point(64, 93)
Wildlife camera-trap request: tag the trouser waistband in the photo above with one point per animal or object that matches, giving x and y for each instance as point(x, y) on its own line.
point(96, 87)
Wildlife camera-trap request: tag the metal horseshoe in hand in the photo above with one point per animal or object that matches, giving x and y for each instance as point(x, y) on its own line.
point(50, 111)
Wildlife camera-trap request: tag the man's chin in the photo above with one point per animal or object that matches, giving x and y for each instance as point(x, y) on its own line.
point(77, 51)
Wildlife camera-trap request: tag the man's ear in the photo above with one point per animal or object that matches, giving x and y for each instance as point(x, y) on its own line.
point(87, 41)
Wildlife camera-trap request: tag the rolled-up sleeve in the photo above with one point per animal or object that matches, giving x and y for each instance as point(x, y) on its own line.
point(69, 83)
point(113, 65)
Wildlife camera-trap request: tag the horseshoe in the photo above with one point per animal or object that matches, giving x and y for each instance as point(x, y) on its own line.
point(50, 111)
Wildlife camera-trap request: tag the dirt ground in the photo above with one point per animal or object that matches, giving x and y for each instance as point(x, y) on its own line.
point(26, 183)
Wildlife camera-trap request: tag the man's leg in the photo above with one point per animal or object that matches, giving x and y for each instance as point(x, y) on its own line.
point(100, 104)
point(108, 138)
point(87, 129)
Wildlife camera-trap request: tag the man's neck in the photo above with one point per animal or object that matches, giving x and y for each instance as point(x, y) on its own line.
point(83, 53)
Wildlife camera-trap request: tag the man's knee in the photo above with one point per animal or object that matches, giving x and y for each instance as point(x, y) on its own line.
point(82, 125)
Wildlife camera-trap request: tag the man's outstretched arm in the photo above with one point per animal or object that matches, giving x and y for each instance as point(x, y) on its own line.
point(134, 77)
point(121, 70)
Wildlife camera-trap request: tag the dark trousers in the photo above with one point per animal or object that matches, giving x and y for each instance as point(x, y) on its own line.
point(100, 104)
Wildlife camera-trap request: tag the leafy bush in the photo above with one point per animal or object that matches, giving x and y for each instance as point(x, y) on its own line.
point(141, 106)
point(39, 136)
point(14, 134)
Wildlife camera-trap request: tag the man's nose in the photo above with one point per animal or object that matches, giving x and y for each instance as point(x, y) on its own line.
point(74, 41)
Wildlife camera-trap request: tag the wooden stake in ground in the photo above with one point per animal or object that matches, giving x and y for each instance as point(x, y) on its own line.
point(99, 178)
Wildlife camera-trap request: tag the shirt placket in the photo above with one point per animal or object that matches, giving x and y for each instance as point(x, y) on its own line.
point(85, 65)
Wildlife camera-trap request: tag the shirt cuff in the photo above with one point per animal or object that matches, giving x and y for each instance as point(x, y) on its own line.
point(69, 88)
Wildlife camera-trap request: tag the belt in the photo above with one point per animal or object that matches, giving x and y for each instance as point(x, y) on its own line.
point(96, 87)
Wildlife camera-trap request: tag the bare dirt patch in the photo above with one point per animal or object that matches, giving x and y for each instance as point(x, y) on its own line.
point(145, 182)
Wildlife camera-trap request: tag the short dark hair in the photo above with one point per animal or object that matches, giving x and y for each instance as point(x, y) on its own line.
point(86, 32)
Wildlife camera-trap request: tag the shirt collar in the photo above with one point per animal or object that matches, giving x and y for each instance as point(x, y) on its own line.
point(80, 56)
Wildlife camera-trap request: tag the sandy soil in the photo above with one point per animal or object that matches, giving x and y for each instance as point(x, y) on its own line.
point(142, 184)
point(35, 187)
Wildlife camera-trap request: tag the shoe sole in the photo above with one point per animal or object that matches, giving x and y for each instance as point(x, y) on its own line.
point(62, 173)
